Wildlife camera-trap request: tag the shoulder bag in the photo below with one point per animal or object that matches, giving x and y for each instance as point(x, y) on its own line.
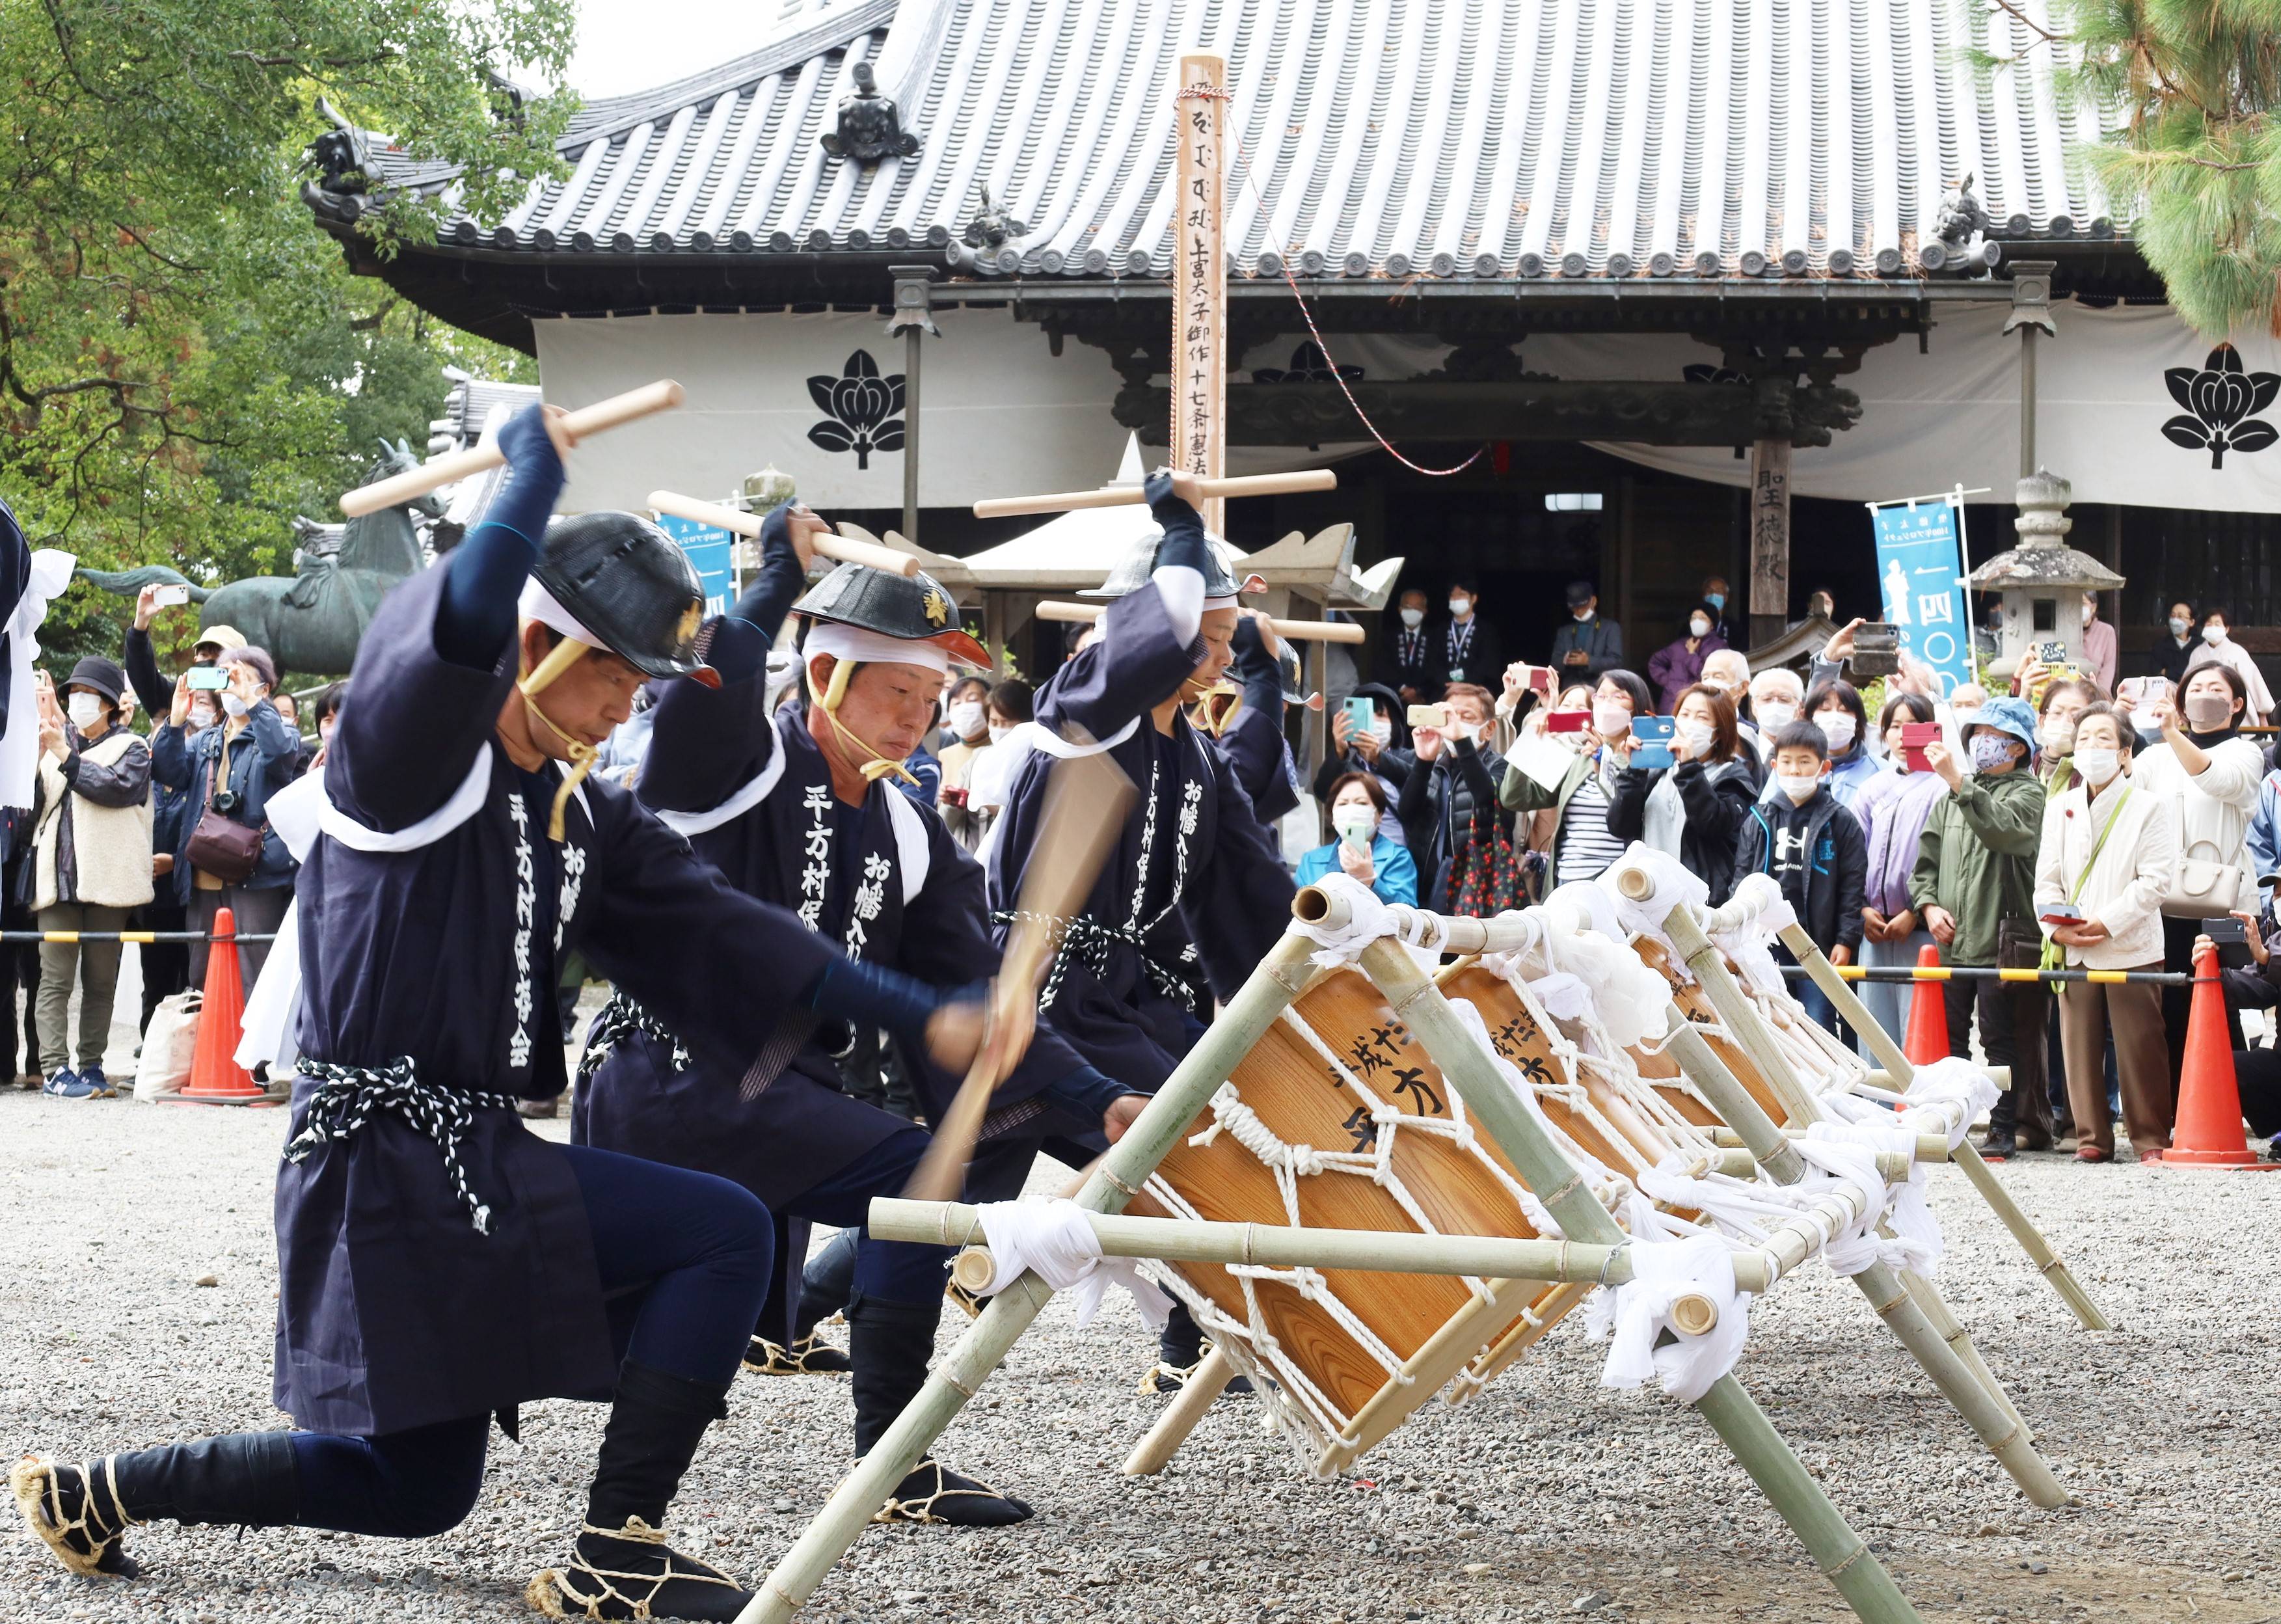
point(221, 847)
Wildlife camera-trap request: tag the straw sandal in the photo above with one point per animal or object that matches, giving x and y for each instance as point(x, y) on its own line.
point(631, 1573)
point(66, 1506)
point(807, 1357)
point(934, 1493)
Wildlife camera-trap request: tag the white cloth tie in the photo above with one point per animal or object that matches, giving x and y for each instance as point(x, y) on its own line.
point(1052, 1240)
point(1637, 1313)
point(19, 746)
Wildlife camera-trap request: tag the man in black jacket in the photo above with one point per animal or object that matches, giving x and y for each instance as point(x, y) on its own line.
point(1454, 780)
point(1408, 667)
point(1588, 647)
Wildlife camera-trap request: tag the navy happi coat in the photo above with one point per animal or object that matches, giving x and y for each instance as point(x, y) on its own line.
point(1196, 893)
point(393, 1311)
point(885, 880)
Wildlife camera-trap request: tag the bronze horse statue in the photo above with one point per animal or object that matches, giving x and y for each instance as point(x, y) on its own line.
point(313, 620)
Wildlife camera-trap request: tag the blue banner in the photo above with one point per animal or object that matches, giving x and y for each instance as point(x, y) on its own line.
point(711, 550)
point(1920, 577)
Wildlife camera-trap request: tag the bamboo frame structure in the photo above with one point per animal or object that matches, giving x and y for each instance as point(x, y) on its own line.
point(1984, 1180)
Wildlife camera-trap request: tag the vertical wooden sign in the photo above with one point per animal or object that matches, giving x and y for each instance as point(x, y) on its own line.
point(1199, 364)
point(1769, 539)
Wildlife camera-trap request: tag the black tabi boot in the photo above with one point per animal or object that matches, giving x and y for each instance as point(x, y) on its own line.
point(1180, 1350)
point(825, 1287)
point(621, 1567)
point(890, 1342)
point(82, 1511)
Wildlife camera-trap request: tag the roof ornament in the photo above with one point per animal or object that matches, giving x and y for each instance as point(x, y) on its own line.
point(870, 125)
point(991, 225)
point(343, 162)
point(1962, 217)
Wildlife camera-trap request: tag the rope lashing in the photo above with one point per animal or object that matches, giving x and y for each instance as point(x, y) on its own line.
point(348, 1097)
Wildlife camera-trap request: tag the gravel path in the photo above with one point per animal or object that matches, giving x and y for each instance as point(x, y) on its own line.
point(1550, 1498)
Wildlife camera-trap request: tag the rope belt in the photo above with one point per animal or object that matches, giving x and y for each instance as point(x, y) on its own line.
point(1091, 942)
point(347, 1097)
point(616, 1021)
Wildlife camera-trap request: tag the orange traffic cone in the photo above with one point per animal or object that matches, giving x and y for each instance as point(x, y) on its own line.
point(1927, 1035)
point(215, 1075)
point(2209, 1133)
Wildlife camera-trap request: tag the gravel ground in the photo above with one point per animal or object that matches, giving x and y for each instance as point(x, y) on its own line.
point(1549, 1498)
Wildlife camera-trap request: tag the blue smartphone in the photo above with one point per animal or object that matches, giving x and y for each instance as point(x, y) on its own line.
point(1360, 715)
point(1651, 742)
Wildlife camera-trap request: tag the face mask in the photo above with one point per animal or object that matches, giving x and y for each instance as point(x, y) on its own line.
point(1799, 786)
point(2179, 628)
point(202, 715)
point(1717, 601)
point(1698, 627)
point(1990, 751)
point(83, 708)
point(1461, 606)
point(967, 718)
point(2212, 634)
point(1609, 720)
point(2145, 722)
point(1698, 736)
point(1580, 615)
point(998, 732)
point(1383, 729)
point(1414, 618)
point(234, 705)
point(325, 730)
point(2099, 766)
point(1351, 821)
point(2206, 713)
point(1836, 726)
point(2059, 737)
point(1774, 714)
point(2090, 612)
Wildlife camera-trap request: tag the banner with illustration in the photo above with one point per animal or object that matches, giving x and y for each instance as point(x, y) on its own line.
point(1920, 575)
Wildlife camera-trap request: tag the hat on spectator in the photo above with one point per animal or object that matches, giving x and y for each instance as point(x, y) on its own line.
point(1579, 593)
point(103, 676)
point(221, 638)
point(2005, 715)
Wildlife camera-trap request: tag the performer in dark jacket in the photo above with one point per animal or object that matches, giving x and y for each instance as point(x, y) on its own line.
point(1252, 738)
point(801, 809)
point(439, 1264)
point(1195, 892)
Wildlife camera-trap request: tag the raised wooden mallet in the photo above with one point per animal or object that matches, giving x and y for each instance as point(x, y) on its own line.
point(1297, 630)
point(1123, 496)
point(1085, 802)
point(646, 401)
point(844, 549)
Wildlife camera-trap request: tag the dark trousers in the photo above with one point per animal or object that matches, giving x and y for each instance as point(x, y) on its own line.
point(2257, 1073)
point(684, 1258)
point(20, 972)
point(165, 964)
point(891, 1270)
point(2012, 1017)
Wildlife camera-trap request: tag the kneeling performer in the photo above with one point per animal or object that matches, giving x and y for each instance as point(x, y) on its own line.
point(439, 1264)
point(793, 807)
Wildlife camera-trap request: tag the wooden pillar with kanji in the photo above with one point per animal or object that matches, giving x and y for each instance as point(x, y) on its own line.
point(1769, 539)
point(1199, 370)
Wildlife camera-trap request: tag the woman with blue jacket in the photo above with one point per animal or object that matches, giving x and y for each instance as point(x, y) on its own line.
point(1358, 805)
point(230, 771)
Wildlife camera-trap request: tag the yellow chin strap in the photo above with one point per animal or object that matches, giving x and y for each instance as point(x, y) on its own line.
point(877, 766)
point(1214, 719)
point(564, 654)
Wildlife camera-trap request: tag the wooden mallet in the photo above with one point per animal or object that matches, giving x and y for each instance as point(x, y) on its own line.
point(649, 399)
point(1122, 496)
point(845, 549)
point(1297, 630)
point(1087, 800)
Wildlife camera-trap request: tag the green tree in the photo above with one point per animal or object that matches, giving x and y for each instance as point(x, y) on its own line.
point(2192, 89)
point(185, 362)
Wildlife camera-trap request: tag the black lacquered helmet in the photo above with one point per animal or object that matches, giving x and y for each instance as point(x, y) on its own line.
point(628, 582)
point(1134, 569)
point(912, 609)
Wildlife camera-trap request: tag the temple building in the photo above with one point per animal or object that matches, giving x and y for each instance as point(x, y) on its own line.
point(1676, 287)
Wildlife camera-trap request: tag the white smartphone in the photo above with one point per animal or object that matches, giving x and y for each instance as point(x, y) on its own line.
point(170, 597)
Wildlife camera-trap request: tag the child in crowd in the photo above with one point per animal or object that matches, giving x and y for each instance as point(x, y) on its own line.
point(1814, 850)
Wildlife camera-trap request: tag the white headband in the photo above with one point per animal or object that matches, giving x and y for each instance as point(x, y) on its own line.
point(844, 642)
point(1220, 603)
point(536, 603)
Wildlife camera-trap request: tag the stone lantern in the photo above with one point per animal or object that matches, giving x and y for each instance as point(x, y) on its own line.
point(2042, 580)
